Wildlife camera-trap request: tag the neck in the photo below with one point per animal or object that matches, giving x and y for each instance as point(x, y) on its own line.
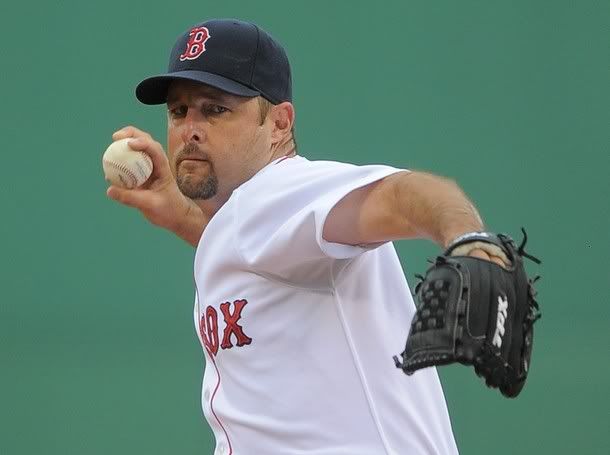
point(210, 206)
point(284, 148)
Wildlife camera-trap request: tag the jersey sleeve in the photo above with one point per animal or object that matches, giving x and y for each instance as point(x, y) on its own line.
point(281, 214)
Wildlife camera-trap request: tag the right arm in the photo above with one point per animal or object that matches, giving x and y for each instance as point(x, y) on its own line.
point(159, 199)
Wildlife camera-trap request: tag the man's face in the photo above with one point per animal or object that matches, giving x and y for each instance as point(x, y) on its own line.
point(215, 140)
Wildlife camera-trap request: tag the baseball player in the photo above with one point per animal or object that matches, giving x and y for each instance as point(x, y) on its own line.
point(300, 299)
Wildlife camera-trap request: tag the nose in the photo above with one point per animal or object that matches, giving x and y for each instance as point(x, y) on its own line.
point(192, 130)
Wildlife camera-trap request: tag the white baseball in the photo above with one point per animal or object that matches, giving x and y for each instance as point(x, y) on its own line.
point(124, 166)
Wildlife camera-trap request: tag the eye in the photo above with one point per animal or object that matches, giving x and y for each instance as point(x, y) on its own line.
point(214, 109)
point(177, 111)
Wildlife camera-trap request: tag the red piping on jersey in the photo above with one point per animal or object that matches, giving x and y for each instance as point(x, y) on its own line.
point(217, 373)
point(212, 402)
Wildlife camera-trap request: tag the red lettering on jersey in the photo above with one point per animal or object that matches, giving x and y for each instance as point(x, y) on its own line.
point(196, 43)
point(232, 327)
point(208, 327)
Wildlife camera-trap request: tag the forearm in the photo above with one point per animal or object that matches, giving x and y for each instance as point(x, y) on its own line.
point(190, 227)
point(402, 206)
point(434, 207)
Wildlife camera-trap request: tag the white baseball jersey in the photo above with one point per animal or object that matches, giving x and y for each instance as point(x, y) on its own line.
point(299, 333)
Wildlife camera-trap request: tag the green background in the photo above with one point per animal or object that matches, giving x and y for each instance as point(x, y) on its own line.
point(97, 350)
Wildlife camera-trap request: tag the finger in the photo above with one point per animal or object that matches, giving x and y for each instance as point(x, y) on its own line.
point(482, 254)
point(479, 253)
point(498, 260)
point(123, 133)
point(135, 198)
point(149, 146)
point(129, 131)
point(157, 155)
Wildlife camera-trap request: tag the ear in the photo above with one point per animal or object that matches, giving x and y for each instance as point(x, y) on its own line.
point(282, 116)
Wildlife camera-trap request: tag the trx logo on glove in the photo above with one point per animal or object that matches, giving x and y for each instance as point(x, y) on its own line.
point(502, 313)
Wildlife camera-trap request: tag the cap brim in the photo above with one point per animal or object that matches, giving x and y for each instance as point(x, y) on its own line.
point(154, 89)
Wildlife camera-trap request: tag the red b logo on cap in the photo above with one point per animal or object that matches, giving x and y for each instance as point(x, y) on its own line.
point(196, 43)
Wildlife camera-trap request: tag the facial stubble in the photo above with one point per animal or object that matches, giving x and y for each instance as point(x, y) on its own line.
point(196, 187)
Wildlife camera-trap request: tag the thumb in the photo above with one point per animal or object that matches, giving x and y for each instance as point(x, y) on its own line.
point(136, 198)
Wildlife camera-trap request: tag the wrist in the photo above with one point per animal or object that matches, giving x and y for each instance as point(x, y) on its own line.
point(189, 227)
point(451, 236)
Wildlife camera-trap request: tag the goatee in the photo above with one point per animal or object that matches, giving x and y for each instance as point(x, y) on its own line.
point(193, 187)
point(202, 189)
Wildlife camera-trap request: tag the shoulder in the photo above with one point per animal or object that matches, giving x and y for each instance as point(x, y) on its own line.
point(285, 187)
point(297, 174)
point(296, 188)
point(298, 168)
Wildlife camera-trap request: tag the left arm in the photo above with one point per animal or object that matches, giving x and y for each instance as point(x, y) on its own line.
point(404, 205)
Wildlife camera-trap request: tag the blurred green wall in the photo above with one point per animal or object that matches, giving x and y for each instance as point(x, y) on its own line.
point(97, 350)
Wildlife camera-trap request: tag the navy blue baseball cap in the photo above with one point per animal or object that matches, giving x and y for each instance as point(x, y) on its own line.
point(231, 55)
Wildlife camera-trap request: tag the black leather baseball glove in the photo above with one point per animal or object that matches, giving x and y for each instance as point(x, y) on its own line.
point(475, 312)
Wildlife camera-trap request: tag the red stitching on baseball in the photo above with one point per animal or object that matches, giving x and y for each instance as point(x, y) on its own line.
point(126, 170)
point(144, 168)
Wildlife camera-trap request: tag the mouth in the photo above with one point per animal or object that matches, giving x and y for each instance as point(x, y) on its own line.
point(190, 160)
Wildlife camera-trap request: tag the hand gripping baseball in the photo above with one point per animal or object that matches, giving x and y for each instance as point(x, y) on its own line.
point(159, 199)
point(476, 312)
